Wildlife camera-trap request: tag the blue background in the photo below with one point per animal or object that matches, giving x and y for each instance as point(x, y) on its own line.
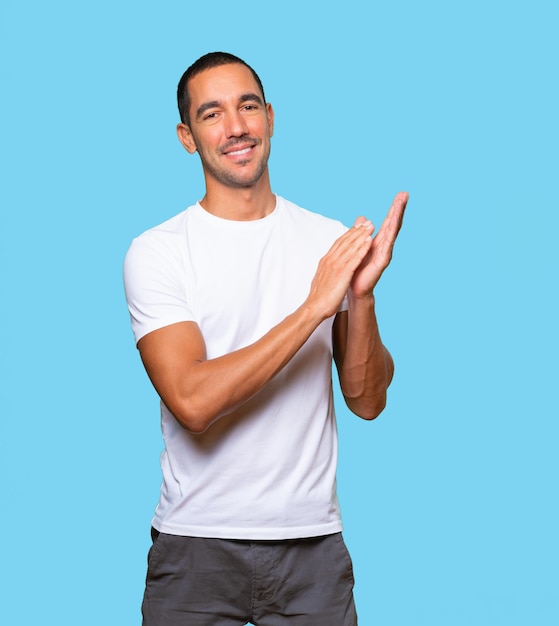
point(450, 497)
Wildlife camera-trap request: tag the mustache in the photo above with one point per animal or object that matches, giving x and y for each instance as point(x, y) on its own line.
point(237, 141)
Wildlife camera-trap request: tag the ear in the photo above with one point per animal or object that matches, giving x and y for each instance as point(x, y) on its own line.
point(185, 137)
point(270, 114)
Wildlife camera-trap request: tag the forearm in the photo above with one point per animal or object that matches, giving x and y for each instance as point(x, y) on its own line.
point(364, 364)
point(213, 388)
point(366, 368)
point(198, 390)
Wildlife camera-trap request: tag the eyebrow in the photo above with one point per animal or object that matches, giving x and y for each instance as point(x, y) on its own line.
point(246, 97)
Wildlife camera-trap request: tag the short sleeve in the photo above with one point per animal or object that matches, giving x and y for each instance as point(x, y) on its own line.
point(155, 285)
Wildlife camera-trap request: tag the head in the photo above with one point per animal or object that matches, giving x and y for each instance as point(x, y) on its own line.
point(226, 120)
point(206, 62)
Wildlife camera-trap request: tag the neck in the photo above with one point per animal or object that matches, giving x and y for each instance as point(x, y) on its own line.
point(240, 203)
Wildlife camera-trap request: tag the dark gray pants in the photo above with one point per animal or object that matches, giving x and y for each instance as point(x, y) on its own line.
point(192, 581)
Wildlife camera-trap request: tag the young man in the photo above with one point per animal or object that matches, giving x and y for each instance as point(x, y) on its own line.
point(238, 305)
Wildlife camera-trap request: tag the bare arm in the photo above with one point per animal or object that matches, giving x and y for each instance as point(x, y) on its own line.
point(364, 365)
point(198, 391)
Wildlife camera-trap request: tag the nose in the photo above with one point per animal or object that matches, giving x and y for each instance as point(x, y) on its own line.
point(235, 124)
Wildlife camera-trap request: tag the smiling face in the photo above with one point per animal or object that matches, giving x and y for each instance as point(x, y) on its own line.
point(230, 126)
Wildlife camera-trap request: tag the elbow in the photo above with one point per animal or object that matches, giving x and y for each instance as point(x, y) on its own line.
point(367, 408)
point(196, 412)
point(194, 426)
point(375, 409)
point(192, 418)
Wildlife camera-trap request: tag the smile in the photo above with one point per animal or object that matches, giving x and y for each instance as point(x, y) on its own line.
point(239, 152)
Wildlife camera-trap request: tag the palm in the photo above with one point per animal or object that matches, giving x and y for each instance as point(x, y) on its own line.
point(379, 256)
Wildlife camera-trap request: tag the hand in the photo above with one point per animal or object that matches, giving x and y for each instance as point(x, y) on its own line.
point(337, 268)
point(379, 254)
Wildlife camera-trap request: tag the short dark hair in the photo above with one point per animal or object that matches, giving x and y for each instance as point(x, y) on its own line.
point(206, 62)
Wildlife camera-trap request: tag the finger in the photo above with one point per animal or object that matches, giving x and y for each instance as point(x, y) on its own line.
point(393, 221)
point(402, 197)
point(350, 249)
point(399, 206)
point(361, 221)
point(353, 237)
point(358, 241)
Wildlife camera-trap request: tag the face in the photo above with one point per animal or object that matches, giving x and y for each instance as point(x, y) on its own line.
point(230, 126)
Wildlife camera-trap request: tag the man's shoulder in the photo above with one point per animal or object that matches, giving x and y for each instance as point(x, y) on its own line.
point(161, 244)
point(170, 227)
point(312, 218)
point(166, 233)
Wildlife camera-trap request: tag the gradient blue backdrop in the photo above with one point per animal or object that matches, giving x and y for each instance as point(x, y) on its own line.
point(449, 498)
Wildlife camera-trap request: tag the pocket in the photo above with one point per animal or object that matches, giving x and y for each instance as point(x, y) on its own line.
point(155, 552)
point(344, 556)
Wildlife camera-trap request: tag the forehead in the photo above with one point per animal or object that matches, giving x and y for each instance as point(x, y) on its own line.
point(221, 83)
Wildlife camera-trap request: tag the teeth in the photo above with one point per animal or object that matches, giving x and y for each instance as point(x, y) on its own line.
point(243, 151)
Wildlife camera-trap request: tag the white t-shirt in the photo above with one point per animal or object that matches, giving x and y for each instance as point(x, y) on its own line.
point(267, 471)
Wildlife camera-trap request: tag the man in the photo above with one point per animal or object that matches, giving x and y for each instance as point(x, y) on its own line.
point(238, 305)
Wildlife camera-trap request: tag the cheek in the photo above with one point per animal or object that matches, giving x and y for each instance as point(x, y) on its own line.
point(208, 141)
